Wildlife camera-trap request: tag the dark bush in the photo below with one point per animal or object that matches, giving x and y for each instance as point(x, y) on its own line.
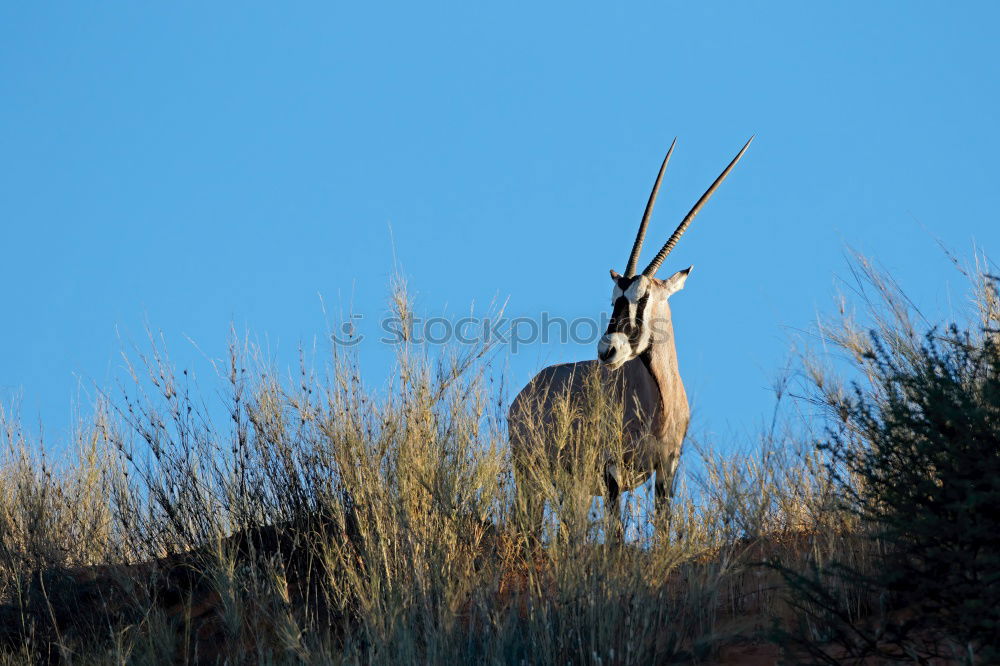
point(915, 453)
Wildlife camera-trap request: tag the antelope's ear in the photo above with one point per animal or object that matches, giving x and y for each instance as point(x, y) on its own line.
point(675, 282)
point(615, 276)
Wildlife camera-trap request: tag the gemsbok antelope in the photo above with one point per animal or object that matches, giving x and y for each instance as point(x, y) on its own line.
point(636, 365)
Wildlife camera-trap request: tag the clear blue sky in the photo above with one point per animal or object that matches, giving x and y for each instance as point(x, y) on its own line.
point(196, 164)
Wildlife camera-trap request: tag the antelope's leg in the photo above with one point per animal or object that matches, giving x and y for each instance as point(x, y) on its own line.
point(530, 499)
point(613, 505)
point(664, 489)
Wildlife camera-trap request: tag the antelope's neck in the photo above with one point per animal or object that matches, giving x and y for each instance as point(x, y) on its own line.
point(660, 360)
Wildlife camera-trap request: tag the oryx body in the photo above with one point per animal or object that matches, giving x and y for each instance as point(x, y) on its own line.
point(636, 367)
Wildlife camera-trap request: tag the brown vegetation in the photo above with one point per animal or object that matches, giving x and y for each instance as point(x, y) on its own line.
point(327, 522)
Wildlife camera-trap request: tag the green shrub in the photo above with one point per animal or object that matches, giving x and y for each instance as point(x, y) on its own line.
point(914, 451)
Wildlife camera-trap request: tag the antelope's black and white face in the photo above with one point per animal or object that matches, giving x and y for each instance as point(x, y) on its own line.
point(640, 315)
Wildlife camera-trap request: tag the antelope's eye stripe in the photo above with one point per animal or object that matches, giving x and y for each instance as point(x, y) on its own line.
point(616, 293)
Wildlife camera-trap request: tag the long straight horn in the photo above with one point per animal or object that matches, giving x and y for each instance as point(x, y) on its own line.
point(637, 246)
point(654, 265)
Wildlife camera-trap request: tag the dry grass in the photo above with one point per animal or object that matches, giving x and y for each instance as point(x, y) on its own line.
point(324, 521)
